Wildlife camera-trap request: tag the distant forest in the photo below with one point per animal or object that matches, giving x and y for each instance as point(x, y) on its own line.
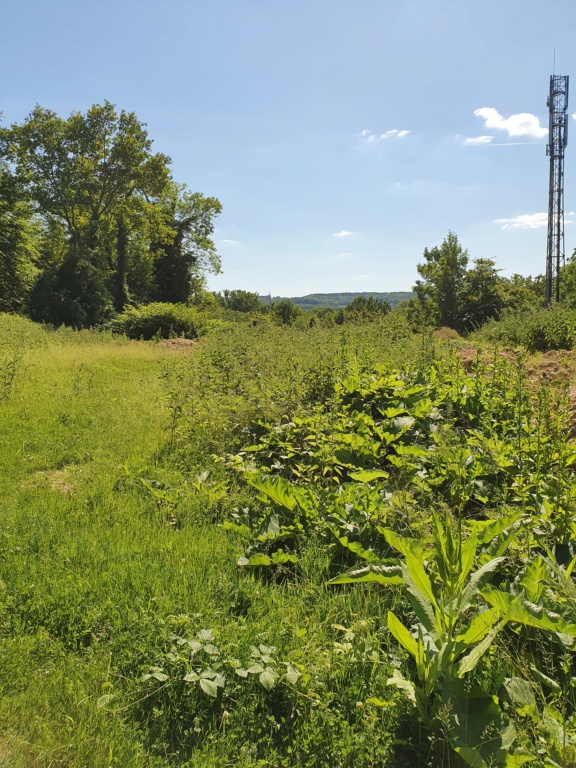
point(339, 300)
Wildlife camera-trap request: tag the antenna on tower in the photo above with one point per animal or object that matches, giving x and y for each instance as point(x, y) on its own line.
point(558, 139)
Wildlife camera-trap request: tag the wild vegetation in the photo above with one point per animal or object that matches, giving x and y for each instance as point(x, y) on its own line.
point(239, 534)
point(289, 546)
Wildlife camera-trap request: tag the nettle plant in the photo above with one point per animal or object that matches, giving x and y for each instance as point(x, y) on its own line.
point(199, 662)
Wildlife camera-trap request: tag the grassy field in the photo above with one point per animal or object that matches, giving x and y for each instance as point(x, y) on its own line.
point(136, 477)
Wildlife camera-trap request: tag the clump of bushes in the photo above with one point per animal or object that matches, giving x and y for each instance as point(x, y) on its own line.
point(538, 330)
point(159, 320)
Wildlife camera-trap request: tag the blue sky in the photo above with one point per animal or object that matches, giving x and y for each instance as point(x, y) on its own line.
point(335, 134)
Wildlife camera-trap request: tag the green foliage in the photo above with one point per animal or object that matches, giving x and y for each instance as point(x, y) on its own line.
point(19, 240)
point(285, 311)
point(241, 301)
point(137, 477)
point(362, 308)
point(110, 227)
point(187, 251)
point(441, 288)
point(159, 320)
point(538, 330)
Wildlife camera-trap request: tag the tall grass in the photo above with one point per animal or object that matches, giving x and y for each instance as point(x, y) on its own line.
point(116, 548)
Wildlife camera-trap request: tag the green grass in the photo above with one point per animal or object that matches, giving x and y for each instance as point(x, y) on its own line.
point(96, 572)
point(112, 547)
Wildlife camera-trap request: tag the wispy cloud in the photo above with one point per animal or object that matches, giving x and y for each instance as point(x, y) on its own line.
point(479, 140)
point(371, 138)
point(230, 242)
point(362, 277)
point(524, 221)
point(342, 233)
point(522, 124)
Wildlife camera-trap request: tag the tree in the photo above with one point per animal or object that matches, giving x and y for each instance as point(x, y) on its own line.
point(186, 249)
point(94, 174)
point(241, 301)
point(19, 242)
point(286, 311)
point(482, 296)
point(441, 289)
point(366, 307)
point(523, 293)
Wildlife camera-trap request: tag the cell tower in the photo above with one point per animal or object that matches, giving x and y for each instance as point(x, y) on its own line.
point(558, 105)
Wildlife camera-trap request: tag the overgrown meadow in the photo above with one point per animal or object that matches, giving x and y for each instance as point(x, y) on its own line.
point(283, 547)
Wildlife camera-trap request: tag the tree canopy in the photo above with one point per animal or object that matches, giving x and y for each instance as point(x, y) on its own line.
point(99, 217)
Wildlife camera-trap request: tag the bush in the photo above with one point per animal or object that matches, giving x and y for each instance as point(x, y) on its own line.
point(159, 321)
point(539, 330)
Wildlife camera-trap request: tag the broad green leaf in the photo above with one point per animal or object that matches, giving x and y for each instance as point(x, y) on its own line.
point(255, 560)
point(422, 607)
point(292, 674)
point(467, 557)
point(488, 530)
point(279, 557)
point(515, 761)
point(468, 662)
point(476, 582)
point(477, 728)
point(191, 677)
point(520, 691)
point(413, 555)
point(354, 546)
point(382, 574)
point(368, 475)
point(405, 685)
point(209, 687)
point(374, 700)
point(542, 678)
point(479, 627)
point(241, 672)
point(402, 634)
point(274, 489)
point(524, 612)
point(268, 678)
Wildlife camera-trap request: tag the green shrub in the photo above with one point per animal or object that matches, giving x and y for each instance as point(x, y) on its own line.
point(159, 320)
point(539, 330)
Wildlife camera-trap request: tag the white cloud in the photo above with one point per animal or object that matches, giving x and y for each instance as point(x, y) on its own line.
point(394, 133)
point(342, 233)
point(522, 124)
point(362, 277)
point(479, 140)
point(370, 137)
point(230, 242)
point(524, 221)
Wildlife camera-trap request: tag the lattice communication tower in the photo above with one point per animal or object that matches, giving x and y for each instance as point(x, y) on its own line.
point(558, 107)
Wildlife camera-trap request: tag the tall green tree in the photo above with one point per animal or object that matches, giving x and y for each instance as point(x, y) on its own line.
point(186, 249)
point(241, 301)
point(93, 173)
point(19, 243)
point(440, 290)
point(482, 295)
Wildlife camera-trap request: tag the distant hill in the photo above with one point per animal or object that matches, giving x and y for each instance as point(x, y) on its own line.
point(339, 300)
